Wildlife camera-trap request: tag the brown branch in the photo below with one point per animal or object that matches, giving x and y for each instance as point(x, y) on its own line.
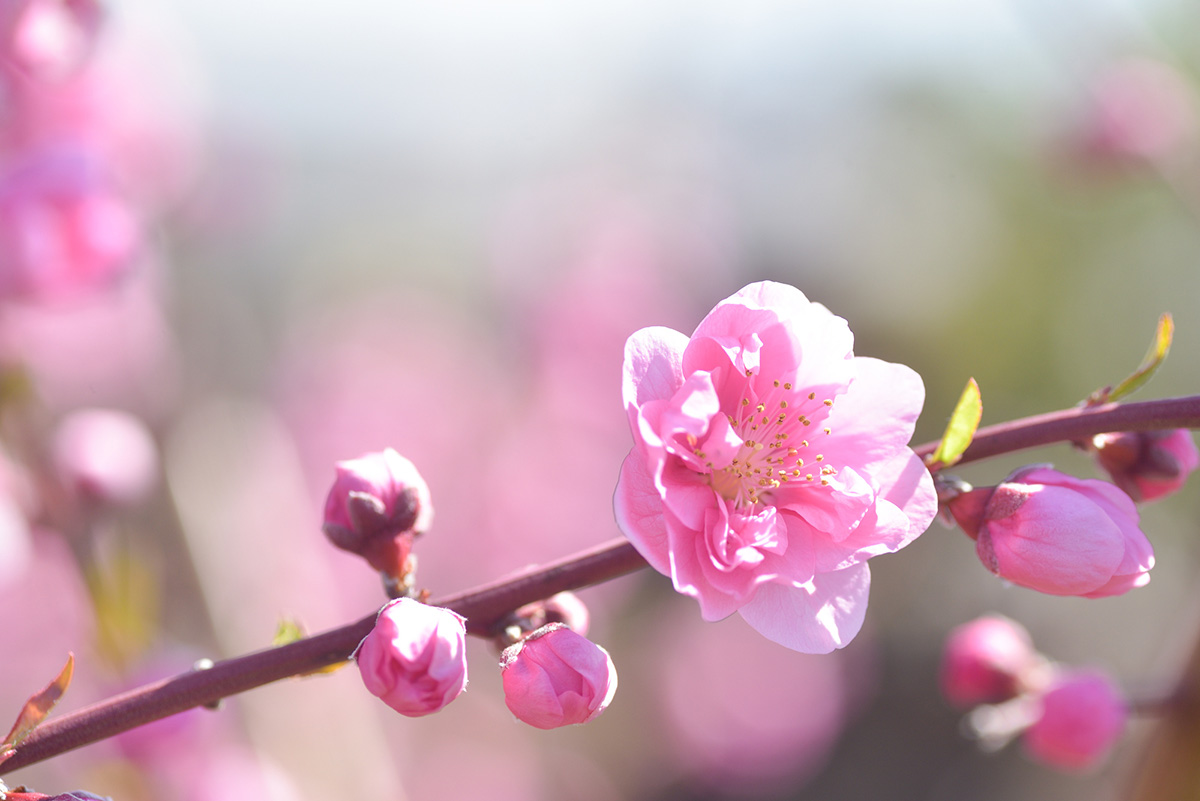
point(483, 607)
point(1077, 425)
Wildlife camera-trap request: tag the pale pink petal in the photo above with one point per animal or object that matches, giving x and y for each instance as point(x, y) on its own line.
point(653, 358)
point(1059, 543)
point(639, 511)
point(817, 618)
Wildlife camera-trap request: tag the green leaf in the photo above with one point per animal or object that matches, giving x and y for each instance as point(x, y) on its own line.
point(961, 428)
point(1154, 357)
point(288, 631)
point(38, 706)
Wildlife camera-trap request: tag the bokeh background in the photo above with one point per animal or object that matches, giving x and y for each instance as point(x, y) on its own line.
point(281, 234)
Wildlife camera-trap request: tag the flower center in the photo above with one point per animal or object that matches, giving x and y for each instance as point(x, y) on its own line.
point(775, 451)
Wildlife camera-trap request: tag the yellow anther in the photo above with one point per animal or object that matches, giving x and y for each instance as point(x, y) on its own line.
point(827, 402)
point(824, 482)
point(777, 382)
point(820, 457)
point(808, 477)
point(827, 431)
point(812, 396)
point(787, 384)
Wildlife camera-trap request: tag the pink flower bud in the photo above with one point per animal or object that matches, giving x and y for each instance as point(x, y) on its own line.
point(106, 455)
point(565, 608)
point(984, 661)
point(1082, 715)
point(556, 677)
point(377, 504)
point(415, 658)
point(1148, 464)
point(1058, 534)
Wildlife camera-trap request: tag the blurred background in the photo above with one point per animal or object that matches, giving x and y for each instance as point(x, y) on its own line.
point(241, 241)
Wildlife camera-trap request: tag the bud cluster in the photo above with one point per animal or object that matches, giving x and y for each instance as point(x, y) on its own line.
point(1068, 718)
point(414, 659)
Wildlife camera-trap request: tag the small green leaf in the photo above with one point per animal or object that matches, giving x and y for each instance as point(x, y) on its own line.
point(1154, 357)
point(39, 705)
point(288, 631)
point(961, 428)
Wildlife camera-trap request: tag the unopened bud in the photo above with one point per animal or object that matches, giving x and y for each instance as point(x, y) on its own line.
point(377, 505)
point(985, 661)
point(1147, 464)
point(106, 455)
point(1057, 534)
point(415, 658)
point(1082, 715)
point(556, 677)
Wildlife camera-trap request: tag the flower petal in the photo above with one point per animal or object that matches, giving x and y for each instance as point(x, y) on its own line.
point(815, 619)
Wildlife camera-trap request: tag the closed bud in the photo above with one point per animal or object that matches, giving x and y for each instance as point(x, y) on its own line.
point(1082, 714)
point(1057, 534)
point(415, 658)
point(377, 505)
point(986, 661)
point(106, 456)
point(1147, 464)
point(556, 677)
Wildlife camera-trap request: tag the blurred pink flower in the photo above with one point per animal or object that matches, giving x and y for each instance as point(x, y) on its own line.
point(377, 504)
point(745, 715)
point(111, 349)
point(1148, 464)
point(415, 658)
point(1082, 715)
point(984, 661)
point(1057, 534)
point(63, 230)
point(48, 38)
point(770, 464)
point(555, 677)
point(1140, 109)
point(106, 455)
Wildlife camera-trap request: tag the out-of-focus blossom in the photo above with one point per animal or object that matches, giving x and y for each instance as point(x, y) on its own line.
point(1082, 715)
point(113, 349)
point(415, 658)
point(770, 464)
point(1148, 464)
point(47, 39)
point(74, 795)
point(64, 232)
point(986, 661)
point(106, 455)
point(1057, 534)
point(377, 505)
point(555, 677)
point(564, 607)
point(230, 774)
point(745, 715)
point(1140, 109)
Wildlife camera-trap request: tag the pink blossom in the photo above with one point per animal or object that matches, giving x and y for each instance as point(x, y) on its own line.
point(1148, 464)
point(556, 677)
point(377, 504)
point(64, 231)
point(1057, 534)
point(1141, 109)
point(1082, 715)
point(985, 661)
point(48, 38)
point(106, 455)
point(770, 464)
point(415, 658)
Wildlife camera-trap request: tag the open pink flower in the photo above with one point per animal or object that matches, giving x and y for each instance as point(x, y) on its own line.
point(770, 463)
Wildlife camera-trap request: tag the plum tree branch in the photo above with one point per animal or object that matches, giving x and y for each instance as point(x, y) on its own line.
point(486, 606)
